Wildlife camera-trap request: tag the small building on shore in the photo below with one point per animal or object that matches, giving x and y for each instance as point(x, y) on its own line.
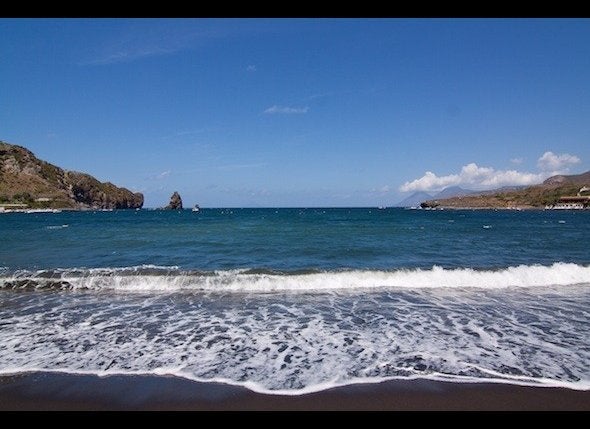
point(7, 208)
point(578, 202)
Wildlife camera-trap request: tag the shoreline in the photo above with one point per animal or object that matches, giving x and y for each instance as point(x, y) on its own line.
point(62, 391)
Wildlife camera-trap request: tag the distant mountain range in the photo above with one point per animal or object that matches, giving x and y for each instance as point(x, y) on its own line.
point(418, 197)
point(414, 200)
point(27, 180)
point(536, 196)
point(453, 191)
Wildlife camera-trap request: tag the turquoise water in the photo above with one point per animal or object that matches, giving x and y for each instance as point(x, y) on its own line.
point(297, 300)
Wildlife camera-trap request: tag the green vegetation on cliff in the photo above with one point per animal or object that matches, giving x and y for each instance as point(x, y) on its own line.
point(537, 196)
point(25, 179)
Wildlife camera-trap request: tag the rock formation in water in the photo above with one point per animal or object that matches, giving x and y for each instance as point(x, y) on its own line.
point(175, 202)
point(27, 180)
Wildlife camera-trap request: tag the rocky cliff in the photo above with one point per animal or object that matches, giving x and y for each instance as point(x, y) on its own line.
point(28, 180)
point(175, 202)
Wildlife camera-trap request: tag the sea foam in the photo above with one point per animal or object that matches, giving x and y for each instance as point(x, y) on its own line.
point(161, 279)
point(295, 343)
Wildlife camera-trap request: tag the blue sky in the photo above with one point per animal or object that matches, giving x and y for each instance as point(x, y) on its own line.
point(299, 112)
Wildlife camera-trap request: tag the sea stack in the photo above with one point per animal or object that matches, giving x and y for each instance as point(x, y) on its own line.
point(175, 202)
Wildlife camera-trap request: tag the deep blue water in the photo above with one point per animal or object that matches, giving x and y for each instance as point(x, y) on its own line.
point(296, 300)
point(294, 239)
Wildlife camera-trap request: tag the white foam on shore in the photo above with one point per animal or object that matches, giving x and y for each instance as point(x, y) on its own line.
point(292, 344)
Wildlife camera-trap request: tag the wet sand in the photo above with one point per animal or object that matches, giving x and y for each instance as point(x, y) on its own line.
point(53, 391)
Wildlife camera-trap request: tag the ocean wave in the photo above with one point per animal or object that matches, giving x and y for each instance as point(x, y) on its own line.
point(161, 278)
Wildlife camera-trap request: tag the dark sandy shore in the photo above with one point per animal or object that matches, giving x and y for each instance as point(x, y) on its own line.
point(51, 391)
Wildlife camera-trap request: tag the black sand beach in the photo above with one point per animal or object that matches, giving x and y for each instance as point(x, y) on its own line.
point(53, 391)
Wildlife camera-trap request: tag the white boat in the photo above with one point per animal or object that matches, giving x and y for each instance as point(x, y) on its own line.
point(196, 208)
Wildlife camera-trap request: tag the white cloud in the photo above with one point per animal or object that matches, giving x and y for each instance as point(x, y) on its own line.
point(379, 191)
point(129, 55)
point(251, 68)
point(286, 110)
point(429, 182)
point(473, 176)
point(136, 39)
point(159, 176)
point(557, 163)
point(482, 178)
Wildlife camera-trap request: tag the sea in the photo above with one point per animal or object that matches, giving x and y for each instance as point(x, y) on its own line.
point(296, 300)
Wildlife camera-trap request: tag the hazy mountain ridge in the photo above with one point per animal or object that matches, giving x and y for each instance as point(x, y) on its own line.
point(418, 197)
point(414, 200)
point(453, 191)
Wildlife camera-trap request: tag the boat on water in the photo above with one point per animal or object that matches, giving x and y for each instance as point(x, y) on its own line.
point(196, 208)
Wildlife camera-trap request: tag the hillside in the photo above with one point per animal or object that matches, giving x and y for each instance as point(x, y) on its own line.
point(25, 179)
point(536, 196)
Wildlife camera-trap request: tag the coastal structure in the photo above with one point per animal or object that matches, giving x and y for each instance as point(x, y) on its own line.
point(8, 208)
point(577, 202)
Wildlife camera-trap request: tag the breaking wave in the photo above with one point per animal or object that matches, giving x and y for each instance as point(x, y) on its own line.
point(172, 279)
